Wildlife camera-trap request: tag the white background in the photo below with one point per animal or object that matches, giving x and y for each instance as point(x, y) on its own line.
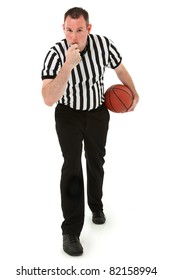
point(138, 169)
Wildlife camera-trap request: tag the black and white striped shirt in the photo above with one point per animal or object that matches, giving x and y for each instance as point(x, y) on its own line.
point(85, 88)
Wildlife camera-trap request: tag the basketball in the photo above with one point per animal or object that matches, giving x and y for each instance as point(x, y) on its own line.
point(118, 98)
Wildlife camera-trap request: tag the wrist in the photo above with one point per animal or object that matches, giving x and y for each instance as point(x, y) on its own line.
point(68, 67)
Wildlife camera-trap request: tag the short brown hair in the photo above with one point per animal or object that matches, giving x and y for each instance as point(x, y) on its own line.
point(76, 12)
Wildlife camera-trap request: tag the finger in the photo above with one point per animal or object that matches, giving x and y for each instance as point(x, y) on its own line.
point(74, 46)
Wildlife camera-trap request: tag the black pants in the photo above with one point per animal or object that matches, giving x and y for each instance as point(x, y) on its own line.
point(73, 128)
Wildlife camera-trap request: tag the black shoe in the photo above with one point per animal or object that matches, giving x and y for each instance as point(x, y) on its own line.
point(98, 217)
point(71, 245)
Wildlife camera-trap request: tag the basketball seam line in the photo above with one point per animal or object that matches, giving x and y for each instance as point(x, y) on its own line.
point(121, 100)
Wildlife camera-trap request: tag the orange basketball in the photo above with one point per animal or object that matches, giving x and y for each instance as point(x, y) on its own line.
point(118, 98)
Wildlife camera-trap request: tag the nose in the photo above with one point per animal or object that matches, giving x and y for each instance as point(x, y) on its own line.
point(74, 37)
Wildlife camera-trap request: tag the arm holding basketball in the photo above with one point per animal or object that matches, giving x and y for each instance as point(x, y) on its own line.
point(126, 79)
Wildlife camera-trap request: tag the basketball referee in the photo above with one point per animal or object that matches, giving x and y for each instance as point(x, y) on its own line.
point(73, 78)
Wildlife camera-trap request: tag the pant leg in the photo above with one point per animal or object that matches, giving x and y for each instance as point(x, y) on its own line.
point(95, 141)
point(69, 131)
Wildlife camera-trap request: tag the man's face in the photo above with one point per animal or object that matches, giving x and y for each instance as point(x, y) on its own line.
point(76, 31)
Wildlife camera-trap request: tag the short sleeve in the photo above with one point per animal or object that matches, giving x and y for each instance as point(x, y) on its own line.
point(51, 65)
point(114, 56)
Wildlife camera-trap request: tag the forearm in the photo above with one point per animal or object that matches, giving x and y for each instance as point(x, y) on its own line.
point(54, 89)
point(126, 79)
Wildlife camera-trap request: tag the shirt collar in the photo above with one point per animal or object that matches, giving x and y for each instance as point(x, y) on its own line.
point(86, 47)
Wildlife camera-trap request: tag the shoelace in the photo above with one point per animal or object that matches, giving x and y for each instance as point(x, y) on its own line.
point(73, 238)
point(98, 214)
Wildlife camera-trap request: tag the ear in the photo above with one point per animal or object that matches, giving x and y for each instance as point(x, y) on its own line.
point(63, 26)
point(89, 28)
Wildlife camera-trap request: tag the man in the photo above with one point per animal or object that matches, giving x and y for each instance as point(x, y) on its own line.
point(73, 77)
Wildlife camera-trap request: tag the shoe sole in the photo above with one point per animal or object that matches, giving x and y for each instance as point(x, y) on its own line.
point(72, 254)
point(97, 222)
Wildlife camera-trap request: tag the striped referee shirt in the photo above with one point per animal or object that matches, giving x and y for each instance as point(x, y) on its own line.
point(85, 87)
